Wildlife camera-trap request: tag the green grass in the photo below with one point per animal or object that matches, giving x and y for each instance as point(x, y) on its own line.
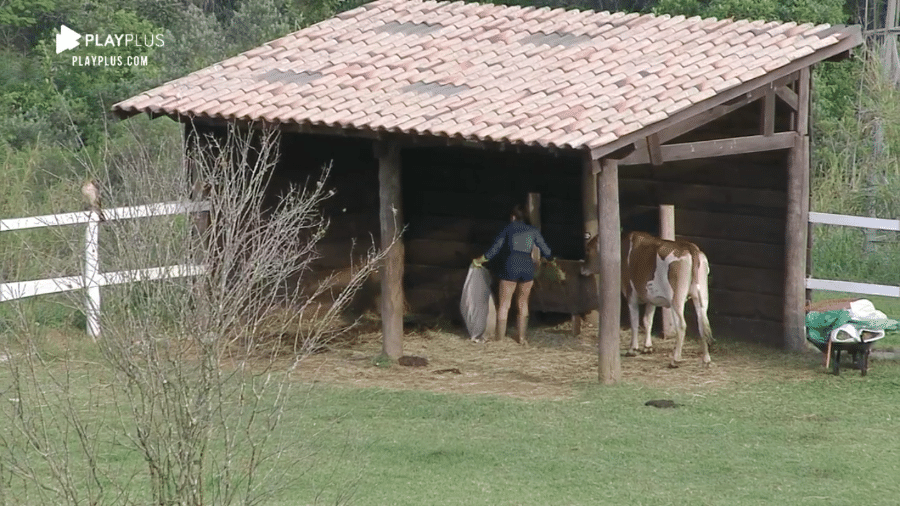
point(811, 440)
point(824, 440)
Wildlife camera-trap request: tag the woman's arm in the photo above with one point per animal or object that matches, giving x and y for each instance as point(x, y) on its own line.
point(541, 244)
point(498, 243)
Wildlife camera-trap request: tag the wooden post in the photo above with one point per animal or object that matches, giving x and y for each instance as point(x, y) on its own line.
point(609, 363)
point(589, 214)
point(667, 232)
point(533, 205)
point(391, 216)
point(767, 114)
point(797, 225)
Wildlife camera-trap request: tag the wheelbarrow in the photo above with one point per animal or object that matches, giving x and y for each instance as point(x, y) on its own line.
point(836, 329)
point(859, 353)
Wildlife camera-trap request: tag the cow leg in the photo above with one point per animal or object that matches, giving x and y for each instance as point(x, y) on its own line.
point(633, 314)
point(680, 331)
point(700, 307)
point(679, 279)
point(649, 313)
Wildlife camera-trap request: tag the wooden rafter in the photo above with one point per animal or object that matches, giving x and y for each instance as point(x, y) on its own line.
point(718, 147)
point(788, 96)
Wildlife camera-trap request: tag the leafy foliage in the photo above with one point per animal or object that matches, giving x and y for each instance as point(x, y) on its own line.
point(50, 106)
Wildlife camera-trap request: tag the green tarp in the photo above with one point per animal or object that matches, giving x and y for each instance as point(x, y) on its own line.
point(819, 325)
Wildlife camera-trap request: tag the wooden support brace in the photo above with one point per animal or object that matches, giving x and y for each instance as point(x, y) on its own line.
point(653, 150)
point(767, 114)
point(787, 96)
point(718, 147)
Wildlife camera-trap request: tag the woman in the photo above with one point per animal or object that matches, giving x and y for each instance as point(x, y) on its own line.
point(516, 240)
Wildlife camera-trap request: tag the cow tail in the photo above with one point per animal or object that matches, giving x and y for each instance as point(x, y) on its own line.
point(695, 263)
point(696, 256)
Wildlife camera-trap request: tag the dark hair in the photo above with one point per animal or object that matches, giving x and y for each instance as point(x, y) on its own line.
point(519, 214)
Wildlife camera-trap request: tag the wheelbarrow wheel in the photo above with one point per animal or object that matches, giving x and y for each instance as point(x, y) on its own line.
point(836, 361)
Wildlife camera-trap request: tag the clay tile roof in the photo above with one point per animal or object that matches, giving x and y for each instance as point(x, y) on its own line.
point(492, 72)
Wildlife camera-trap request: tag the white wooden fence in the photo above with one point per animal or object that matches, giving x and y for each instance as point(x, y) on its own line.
point(847, 286)
point(91, 279)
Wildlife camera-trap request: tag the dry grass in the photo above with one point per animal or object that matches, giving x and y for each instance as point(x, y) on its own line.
point(554, 365)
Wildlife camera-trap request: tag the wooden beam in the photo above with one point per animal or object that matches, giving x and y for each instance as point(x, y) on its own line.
point(533, 205)
point(653, 150)
point(667, 232)
point(797, 228)
point(718, 147)
point(609, 363)
point(767, 114)
point(849, 42)
point(589, 215)
point(787, 96)
point(391, 217)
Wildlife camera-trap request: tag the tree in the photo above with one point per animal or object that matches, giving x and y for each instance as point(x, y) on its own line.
point(196, 372)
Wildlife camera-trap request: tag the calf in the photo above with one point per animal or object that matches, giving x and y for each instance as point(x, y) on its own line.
point(656, 272)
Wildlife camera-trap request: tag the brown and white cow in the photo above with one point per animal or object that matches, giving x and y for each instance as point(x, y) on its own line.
point(660, 273)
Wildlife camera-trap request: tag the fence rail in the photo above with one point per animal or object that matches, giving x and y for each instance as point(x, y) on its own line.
point(91, 279)
point(854, 221)
point(849, 286)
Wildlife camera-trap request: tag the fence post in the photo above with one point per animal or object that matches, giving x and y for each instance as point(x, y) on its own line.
point(91, 275)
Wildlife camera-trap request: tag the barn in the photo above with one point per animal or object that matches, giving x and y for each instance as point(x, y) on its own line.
point(448, 113)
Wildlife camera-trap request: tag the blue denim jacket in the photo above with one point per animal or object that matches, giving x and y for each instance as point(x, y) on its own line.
point(519, 237)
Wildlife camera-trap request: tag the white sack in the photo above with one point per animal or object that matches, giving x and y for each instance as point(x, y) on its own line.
point(863, 309)
point(477, 305)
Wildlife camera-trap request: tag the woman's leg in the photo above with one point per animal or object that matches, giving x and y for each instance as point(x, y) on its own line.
point(524, 290)
point(506, 293)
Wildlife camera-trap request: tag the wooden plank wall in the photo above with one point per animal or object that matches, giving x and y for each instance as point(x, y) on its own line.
point(352, 211)
point(456, 200)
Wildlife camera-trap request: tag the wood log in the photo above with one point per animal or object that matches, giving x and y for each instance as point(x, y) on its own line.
point(667, 232)
point(609, 367)
point(391, 217)
point(589, 215)
point(797, 227)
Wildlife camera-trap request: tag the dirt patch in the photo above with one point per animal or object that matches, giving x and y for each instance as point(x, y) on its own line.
point(553, 366)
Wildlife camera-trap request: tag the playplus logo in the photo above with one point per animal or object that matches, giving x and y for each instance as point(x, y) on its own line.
point(68, 38)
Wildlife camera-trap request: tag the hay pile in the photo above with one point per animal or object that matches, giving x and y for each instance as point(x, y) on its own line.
point(554, 365)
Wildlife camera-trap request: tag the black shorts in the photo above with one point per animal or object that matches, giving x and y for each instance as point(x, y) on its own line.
point(518, 267)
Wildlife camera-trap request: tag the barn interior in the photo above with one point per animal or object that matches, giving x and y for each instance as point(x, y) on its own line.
point(456, 197)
